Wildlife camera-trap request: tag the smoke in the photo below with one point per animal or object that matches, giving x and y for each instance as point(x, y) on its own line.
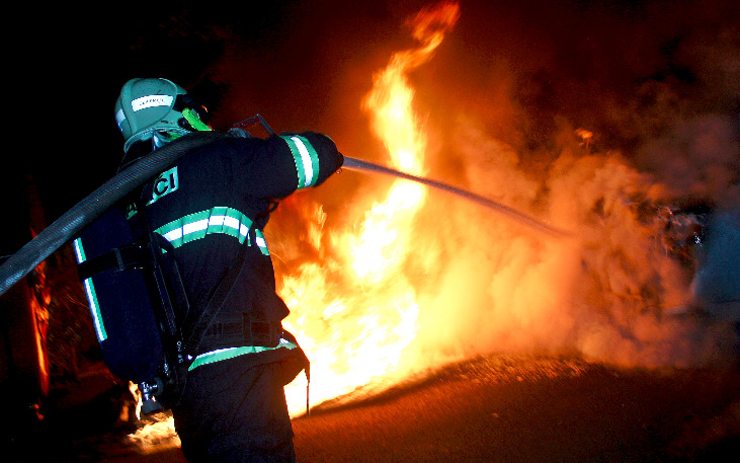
point(658, 137)
point(607, 293)
point(608, 119)
point(696, 158)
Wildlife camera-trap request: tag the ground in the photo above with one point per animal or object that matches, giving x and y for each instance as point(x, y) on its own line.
point(492, 409)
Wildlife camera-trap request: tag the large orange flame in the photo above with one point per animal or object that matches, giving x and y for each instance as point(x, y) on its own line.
point(357, 338)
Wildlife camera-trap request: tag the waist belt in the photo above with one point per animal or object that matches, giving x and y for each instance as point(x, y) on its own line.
point(241, 329)
point(227, 353)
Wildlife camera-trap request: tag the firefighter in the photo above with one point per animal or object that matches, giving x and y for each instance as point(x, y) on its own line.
point(212, 207)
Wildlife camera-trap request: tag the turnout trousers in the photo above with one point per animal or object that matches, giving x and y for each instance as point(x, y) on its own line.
point(234, 411)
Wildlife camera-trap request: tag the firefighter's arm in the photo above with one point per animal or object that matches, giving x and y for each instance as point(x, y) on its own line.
point(294, 161)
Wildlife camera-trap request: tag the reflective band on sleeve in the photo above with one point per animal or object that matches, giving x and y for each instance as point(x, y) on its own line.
point(92, 296)
point(233, 352)
point(261, 242)
point(195, 226)
point(306, 159)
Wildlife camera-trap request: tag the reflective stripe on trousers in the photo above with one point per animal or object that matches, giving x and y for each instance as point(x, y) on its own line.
point(226, 353)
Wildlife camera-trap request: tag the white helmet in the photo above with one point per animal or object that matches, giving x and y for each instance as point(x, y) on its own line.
point(156, 109)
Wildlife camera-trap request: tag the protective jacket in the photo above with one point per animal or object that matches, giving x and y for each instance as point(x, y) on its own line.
point(212, 207)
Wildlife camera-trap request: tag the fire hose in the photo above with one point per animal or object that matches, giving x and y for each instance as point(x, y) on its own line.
point(360, 165)
point(69, 224)
point(83, 213)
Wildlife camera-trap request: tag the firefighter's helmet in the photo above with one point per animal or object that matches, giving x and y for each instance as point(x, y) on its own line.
point(155, 109)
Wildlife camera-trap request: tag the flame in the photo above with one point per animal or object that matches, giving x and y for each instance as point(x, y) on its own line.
point(357, 302)
point(356, 336)
point(356, 313)
point(157, 435)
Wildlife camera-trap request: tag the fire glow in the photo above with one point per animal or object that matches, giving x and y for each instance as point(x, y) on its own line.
point(406, 285)
point(357, 338)
point(360, 336)
point(407, 280)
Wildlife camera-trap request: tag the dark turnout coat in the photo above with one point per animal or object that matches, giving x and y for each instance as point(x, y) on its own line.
point(212, 207)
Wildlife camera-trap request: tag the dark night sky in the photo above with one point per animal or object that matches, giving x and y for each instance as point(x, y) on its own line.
point(70, 63)
point(620, 67)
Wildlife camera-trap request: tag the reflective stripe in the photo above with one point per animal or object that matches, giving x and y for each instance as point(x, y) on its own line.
point(97, 317)
point(79, 251)
point(199, 224)
point(120, 117)
point(151, 101)
point(233, 352)
point(261, 242)
point(92, 296)
point(306, 160)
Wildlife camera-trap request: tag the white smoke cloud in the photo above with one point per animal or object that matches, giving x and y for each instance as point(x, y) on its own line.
point(609, 292)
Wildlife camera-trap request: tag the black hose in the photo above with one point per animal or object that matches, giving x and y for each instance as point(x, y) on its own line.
point(358, 164)
point(69, 224)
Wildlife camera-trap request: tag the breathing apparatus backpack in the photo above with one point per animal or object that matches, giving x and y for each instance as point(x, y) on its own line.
point(134, 307)
point(136, 296)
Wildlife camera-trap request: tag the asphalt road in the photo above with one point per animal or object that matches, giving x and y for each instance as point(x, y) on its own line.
point(496, 409)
